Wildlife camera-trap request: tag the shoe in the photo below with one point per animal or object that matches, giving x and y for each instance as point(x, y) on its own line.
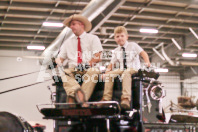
point(80, 97)
point(125, 104)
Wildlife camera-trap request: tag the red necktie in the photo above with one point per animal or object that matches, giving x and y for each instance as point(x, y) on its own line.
point(79, 52)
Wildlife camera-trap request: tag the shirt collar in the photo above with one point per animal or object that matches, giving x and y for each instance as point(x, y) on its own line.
point(82, 35)
point(125, 45)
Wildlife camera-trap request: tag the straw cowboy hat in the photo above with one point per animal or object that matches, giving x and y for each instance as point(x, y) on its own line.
point(80, 18)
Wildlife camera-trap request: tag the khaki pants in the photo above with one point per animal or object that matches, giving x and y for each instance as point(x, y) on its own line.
point(70, 84)
point(126, 83)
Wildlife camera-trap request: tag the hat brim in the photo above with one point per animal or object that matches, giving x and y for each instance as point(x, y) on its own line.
point(80, 18)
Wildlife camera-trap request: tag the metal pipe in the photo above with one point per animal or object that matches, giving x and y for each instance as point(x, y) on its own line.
point(176, 44)
point(166, 57)
point(158, 54)
point(193, 32)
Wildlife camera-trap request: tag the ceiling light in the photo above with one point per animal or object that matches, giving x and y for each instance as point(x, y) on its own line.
point(161, 70)
point(36, 47)
point(189, 55)
point(51, 24)
point(143, 30)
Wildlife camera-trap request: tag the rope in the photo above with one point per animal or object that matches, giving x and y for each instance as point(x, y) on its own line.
point(18, 75)
point(23, 87)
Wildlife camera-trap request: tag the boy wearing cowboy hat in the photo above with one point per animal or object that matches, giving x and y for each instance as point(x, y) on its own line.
point(83, 48)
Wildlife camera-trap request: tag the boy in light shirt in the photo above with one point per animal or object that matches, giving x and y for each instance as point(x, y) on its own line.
point(126, 55)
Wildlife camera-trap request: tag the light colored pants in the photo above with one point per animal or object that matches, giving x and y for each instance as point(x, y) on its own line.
point(126, 83)
point(70, 84)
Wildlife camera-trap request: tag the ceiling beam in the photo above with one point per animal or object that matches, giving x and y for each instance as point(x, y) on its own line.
point(153, 23)
point(146, 35)
point(155, 8)
point(27, 33)
point(179, 1)
point(162, 30)
point(29, 28)
point(41, 7)
point(157, 16)
point(28, 39)
point(18, 43)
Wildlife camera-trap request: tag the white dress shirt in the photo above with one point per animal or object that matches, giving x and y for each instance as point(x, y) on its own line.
point(132, 50)
point(90, 44)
